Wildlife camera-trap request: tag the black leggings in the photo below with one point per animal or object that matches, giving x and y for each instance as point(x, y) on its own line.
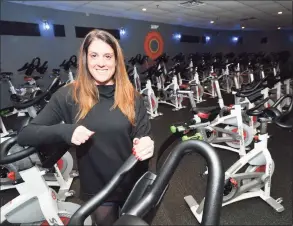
point(106, 214)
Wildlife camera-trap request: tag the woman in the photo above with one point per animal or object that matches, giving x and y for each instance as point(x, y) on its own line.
point(103, 117)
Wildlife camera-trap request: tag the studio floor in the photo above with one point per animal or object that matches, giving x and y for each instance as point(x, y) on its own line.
point(188, 181)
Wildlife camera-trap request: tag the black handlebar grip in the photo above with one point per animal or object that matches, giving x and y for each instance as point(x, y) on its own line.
point(247, 94)
point(29, 103)
point(254, 111)
point(7, 145)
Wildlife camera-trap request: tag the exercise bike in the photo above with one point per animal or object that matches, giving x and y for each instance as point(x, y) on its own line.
point(61, 175)
point(66, 65)
point(217, 126)
point(195, 85)
point(172, 94)
point(37, 203)
point(256, 180)
point(16, 95)
point(133, 74)
point(150, 99)
point(30, 78)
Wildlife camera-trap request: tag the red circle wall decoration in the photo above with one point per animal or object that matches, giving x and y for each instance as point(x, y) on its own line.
point(153, 36)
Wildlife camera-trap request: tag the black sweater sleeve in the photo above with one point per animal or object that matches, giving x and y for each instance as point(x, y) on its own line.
point(142, 123)
point(47, 127)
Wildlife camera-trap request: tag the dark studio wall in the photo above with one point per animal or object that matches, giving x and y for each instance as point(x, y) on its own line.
point(17, 50)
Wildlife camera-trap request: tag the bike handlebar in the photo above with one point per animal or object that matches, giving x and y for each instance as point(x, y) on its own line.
point(7, 145)
point(272, 112)
point(138, 59)
point(179, 57)
point(254, 90)
point(51, 89)
point(38, 62)
point(135, 59)
point(71, 62)
point(84, 211)
point(214, 191)
point(29, 103)
point(248, 94)
point(5, 75)
point(162, 58)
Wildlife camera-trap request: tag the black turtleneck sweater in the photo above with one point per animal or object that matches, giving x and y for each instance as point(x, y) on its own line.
point(102, 155)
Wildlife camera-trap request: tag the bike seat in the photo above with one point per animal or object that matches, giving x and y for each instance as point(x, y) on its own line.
point(184, 86)
point(27, 78)
point(30, 78)
point(207, 113)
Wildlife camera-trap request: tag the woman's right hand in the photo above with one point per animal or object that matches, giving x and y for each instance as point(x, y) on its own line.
point(81, 135)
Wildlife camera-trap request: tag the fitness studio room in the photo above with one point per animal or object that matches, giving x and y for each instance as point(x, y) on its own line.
point(146, 112)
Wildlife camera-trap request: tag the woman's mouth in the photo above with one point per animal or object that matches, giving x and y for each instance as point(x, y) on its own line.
point(101, 70)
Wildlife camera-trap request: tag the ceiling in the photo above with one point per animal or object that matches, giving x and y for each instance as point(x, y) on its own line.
point(228, 15)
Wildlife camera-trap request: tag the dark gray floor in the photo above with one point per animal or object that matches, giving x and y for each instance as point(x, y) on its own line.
point(187, 180)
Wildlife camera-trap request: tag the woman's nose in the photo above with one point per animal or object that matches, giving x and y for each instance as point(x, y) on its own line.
point(100, 62)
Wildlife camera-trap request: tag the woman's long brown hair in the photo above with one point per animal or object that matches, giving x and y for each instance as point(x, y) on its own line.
point(85, 92)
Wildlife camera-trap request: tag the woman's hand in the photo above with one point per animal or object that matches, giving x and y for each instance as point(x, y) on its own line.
point(143, 148)
point(81, 135)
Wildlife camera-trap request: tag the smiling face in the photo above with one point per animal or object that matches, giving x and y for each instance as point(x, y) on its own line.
point(101, 62)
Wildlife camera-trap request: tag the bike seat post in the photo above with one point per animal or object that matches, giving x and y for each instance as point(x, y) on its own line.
point(32, 112)
point(70, 75)
point(11, 87)
point(219, 94)
point(236, 82)
point(263, 126)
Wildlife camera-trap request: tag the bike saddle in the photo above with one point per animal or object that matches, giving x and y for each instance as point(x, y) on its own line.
point(30, 78)
point(27, 78)
point(184, 86)
point(207, 113)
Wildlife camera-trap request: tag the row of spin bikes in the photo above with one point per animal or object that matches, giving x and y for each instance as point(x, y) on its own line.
point(198, 77)
point(241, 128)
point(206, 125)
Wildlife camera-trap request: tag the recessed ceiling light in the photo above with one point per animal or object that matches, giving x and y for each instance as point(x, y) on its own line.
point(280, 13)
point(212, 22)
point(279, 28)
point(143, 9)
point(242, 27)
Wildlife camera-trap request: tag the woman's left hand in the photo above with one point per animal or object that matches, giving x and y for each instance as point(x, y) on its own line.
point(143, 148)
